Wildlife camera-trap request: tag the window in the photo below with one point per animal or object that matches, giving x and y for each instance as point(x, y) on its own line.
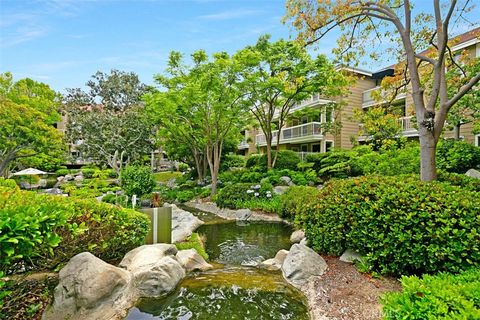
point(304, 147)
point(316, 147)
point(304, 120)
point(477, 140)
point(328, 115)
point(328, 145)
point(295, 149)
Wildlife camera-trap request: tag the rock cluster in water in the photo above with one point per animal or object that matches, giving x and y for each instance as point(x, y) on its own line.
point(90, 288)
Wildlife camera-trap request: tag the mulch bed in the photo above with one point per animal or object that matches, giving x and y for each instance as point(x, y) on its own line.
point(344, 293)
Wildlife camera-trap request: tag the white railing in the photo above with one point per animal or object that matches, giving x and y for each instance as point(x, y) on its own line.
point(243, 145)
point(311, 101)
point(406, 123)
point(368, 100)
point(311, 129)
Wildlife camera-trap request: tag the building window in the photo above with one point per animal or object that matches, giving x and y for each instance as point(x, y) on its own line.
point(328, 115)
point(328, 145)
point(477, 140)
point(304, 120)
point(304, 147)
point(316, 147)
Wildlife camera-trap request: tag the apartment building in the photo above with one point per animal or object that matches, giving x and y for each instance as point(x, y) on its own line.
point(306, 135)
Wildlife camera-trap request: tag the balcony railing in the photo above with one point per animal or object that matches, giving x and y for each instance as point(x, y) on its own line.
point(243, 145)
point(368, 100)
point(408, 125)
point(300, 133)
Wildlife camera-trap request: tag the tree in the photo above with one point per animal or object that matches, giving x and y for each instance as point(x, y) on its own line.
point(380, 128)
point(278, 76)
point(109, 119)
point(202, 104)
point(28, 110)
point(365, 25)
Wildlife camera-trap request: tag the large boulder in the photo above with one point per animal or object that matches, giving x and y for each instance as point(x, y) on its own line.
point(90, 288)
point(146, 255)
point(191, 260)
point(297, 236)
point(279, 190)
point(275, 263)
point(157, 279)
point(302, 264)
point(286, 181)
point(183, 223)
point(243, 214)
point(473, 173)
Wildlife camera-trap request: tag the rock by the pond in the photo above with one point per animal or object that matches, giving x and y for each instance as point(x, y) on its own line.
point(157, 279)
point(191, 260)
point(473, 173)
point(297, 236)
point(243, 214)
point(183, 223)
point(78, 178)
point(56, 191)
point(350, 256)
point(280, 189)
point(275, 263)
point(304, 241)
point(68, 177)
point(286, 180)
point(146, 255)
point(302, 264)
point(90, 288)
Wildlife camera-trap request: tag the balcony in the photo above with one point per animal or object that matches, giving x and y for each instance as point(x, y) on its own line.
point(312, 101)
point(408, 126)
point(368, 100)
point(307, 132)
point(243, 145)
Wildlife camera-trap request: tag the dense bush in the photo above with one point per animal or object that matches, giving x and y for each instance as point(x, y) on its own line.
point(404, 226)
point(392, 162)
point(232, 161)
point(233, 195)
point(286, 159)
point(88, 173)
point(185, 195)
point(8, 183)
point(137, 180)
point(457, 156)
point(461, 180)
point(442, 296)
point(293, 200)
point(62, 172)
point(42, 231)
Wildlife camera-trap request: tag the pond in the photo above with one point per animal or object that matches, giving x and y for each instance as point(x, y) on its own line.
point(235, 289)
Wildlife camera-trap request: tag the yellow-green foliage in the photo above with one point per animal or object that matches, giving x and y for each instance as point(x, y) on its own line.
point(193, 242)
point(166, 176)
point(442, 296)
point(43, 231)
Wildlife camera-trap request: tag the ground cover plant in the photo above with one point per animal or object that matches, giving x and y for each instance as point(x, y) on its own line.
point(441, 296)
point(195, 241)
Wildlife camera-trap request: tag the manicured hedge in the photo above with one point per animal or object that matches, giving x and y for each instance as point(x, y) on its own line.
point(442, 296)
point(457, 156)
point(404, 226)
point(286, 160)
point(43, 231)
point(294, 199)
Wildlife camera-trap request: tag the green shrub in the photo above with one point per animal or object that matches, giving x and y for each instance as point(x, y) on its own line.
point(183, 167)
point(185, 195)
point(404, 226)
point(43, 231)
point(253, 160)
point(293, 200)
point(8, 183)
point(109, 198)
point(457, 156)
point(442, 296)
point(110, 173)
point(461, 180)
point(137, 180)
point(232, 161)
point(269, 205)
point(251, 177)
point(88, 173)
point(62, 172)
point(234, 195)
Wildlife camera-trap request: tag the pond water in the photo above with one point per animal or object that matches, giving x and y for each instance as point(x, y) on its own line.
point(234, 289)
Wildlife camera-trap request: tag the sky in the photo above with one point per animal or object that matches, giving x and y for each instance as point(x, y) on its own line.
point(64, 42)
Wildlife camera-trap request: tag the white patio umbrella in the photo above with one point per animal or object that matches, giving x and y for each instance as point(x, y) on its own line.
point(30, 172)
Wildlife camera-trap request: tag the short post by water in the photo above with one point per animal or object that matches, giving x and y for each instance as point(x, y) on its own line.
point(161, 225)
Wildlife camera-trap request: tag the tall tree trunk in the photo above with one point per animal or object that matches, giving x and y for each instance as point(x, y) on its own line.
point(213, 157)
point(268, 137)
point(428, 146)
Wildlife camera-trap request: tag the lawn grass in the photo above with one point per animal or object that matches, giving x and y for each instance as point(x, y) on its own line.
point(166, 176)
point(193, 242)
